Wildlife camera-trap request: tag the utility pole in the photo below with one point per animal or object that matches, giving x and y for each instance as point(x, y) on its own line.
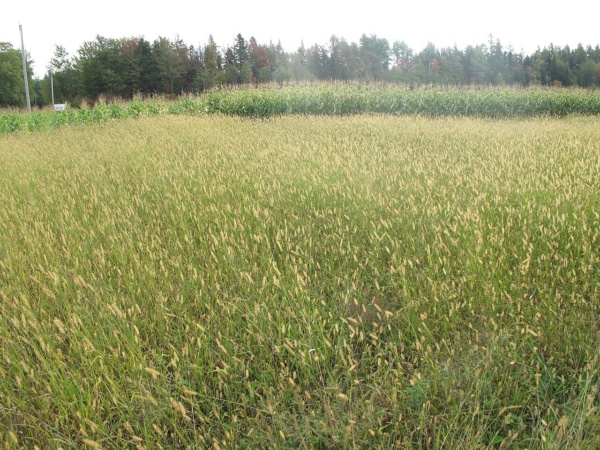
point(25, 70)
point(52, 81)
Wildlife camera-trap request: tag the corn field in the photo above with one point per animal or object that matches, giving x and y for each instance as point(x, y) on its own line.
point(361, 281)
point(336, 100)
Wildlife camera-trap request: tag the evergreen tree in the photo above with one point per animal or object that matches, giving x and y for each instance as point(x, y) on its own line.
point(211, 74)
point(240, 51)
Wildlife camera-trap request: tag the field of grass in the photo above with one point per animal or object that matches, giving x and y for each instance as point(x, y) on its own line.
point(301, 282)
point(329, 100)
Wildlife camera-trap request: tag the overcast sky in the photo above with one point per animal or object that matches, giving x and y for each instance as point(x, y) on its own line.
point(524, 24)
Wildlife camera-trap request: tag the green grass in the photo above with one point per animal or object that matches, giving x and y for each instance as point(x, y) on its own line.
point(315, 282)
point(336, 100)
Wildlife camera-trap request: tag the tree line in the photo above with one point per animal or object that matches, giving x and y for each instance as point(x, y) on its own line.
point(128, 66)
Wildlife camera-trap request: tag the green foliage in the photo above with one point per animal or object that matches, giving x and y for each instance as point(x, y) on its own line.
point(264, 75)
point(171, 57)
point(282, 76)
point(587, 74)
point(66, 77)
point(374, 57)
point(100, 67)
point(12, 90)
point(246, 73)
point(343, 100)
point(240, 51)
point(331, 100)
point(101, 113)
point(211, 74)
point(122, 68)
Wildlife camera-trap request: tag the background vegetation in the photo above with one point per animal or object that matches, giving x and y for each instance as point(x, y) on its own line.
point(315, 282)
point(340, 99)
point(125, 67)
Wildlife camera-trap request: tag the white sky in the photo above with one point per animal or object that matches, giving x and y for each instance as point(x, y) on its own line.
point(524, 24)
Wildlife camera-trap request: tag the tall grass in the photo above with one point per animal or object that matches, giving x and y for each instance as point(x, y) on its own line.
point(344, 282)
point(330, 100)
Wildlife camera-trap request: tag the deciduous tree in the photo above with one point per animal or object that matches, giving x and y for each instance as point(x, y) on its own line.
point(12, 91)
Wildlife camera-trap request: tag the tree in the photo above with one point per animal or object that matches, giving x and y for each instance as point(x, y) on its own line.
point(232, 74)
point(317, 61)
point(498, 62)
point(478, 66)
point(335, 66)
point(419, 74)
point(261, 63)
point(100, 67)
point(587, 74)
point(194, 67)
point(561, 73)
point(452, 66)
point(172, 59)
point(277, 56)
point(402, 54)
point(298, 64)
point(349, 54)
point(246, 73)
point(240, 51)
point(430, 56)
point(579, 57)
point(282, 75)
point(66, 78)
point(232, 71)
point(498, 79)
point(150, 78)
point(12, 90)
point(374, 57)
point(37, 98)
point(123, 67)
point(402, 62)
point(131, 67)
point(211, 74)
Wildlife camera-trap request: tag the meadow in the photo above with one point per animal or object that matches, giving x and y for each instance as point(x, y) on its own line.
point(364, 281)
